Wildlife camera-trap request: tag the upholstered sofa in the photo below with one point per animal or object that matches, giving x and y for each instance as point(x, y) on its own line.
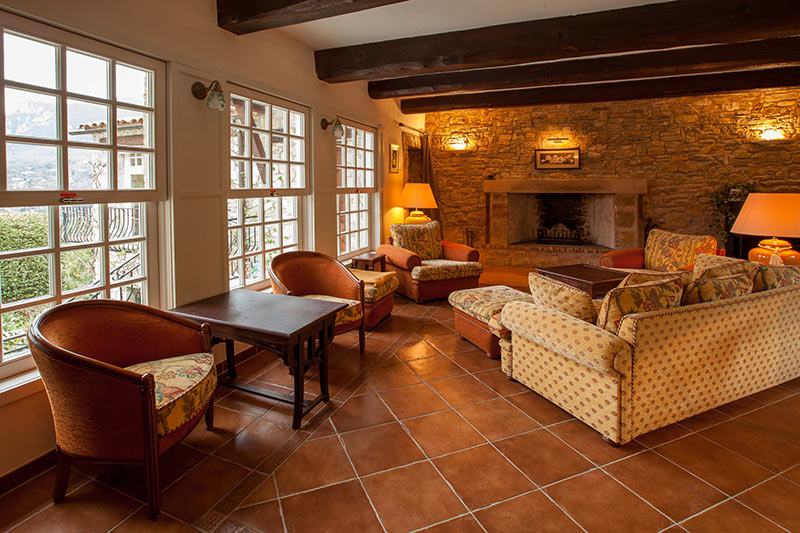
point(663, 251)
point(658, 367)
point(426, 266)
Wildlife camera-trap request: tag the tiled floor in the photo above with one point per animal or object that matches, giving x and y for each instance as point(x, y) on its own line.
point(425, 432)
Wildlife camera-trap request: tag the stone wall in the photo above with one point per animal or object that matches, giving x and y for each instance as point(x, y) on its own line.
point(683, 147)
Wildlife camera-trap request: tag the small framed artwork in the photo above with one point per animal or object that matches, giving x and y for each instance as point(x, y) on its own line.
point(557, 159)
point(394, 158)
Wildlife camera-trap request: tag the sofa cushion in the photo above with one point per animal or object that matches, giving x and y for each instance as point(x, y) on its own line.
point(650, 296)
point(184, 387)
point(553, 294)
point(673, 251)
point(422, 239)
point(436, 269)
point(484, 302)
point(769, 277)
point(717, 266)
point(372, 277)
point(638, 278)
point(351, 313)
point(712, 289)
point(374, 293)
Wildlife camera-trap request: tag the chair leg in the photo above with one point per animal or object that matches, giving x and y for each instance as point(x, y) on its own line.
point(362, 332)
point(210, 415)
point(153, 486)
point(62, 476)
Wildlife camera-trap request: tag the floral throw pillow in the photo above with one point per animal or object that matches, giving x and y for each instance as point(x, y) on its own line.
point(638, 278)
point(422, 239)
point(716, 266)
point(713, 289)
point(650, 296)
point(548, 292)
point(768, 278)
point(673, 251)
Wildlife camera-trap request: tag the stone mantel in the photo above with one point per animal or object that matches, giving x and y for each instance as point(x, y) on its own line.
point(575, 186)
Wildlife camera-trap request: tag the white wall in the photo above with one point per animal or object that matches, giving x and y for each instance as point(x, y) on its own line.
point(184, 34)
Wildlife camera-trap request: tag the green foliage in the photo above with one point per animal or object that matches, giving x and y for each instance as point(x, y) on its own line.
point(25, 277)
point(727, 199)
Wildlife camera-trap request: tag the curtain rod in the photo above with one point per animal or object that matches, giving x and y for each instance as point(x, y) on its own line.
point(402, 125)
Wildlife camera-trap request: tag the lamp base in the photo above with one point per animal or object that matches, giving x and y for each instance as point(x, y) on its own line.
point(774, 252)
point(417, 217)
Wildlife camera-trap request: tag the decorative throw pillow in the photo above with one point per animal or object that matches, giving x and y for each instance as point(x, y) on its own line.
point(716, 266)
point(638, 278)
point(422, 239)
point(650, 296)
point(768, 278)
point(548, 292)
point(672, 251)
point(712, 289)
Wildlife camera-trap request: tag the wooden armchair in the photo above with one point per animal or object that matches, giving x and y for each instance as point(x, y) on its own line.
point(319, 276)
point(125, 381)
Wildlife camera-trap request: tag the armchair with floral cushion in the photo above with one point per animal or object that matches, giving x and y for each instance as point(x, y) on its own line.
point(426, 266)
point(663, 251)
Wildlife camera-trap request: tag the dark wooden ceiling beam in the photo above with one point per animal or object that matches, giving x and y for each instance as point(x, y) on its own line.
point(248, 16)
point(613, 91)
point(648, 27)
point(684, 61)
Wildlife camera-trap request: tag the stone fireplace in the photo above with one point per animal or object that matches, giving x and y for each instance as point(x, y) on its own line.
point(548, 222)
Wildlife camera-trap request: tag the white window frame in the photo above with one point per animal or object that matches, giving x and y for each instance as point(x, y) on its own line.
point(302, 194)
point(52, 199)
point(371, 191)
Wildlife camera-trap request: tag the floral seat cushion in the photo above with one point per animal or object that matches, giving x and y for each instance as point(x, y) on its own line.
point(422, 239)
point(673, 251)
point(184, 387)
point(351, 313)
point(438, 269)
point(485, 302)
point(374, 293)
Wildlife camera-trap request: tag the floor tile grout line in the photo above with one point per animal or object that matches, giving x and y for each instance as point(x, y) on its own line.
point(280, 503)
point(115, 526)
point(51, 504)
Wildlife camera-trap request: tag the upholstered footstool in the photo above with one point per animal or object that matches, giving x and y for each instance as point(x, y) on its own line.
point(475, 308)
point(379, 290)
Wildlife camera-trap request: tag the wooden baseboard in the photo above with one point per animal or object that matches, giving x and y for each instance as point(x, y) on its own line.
point(27, 471)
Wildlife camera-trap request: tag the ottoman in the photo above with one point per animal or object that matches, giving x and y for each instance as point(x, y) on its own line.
point(475, 308)
point(379, 290)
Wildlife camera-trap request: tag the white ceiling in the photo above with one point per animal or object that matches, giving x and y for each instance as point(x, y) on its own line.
point(422, 17)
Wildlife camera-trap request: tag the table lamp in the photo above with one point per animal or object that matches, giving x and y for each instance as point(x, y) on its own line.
point(776, 214)
point(417, 196)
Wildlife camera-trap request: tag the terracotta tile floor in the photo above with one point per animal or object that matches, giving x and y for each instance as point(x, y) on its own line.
point(425, 432)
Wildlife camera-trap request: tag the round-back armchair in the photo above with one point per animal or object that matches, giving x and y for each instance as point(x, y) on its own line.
point(125, 383)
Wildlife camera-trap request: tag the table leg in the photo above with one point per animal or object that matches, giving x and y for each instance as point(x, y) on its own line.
point(229, 357)
point(323, 365)
point(299, 378)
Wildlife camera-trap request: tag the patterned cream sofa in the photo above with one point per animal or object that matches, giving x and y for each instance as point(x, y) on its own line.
point(661, 366)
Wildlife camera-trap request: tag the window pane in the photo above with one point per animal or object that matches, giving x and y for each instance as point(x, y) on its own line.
point(80, 224)
point(133, 292)
point(289, 233)
point(271, 234)
point(239, 142)
point(279, 147)
point(125, 261)
point(260, 175)
point(29, 61)
point(87, 122)
point(87, 74)
point(369, 143)
point(298, 176)
point(260, 114)
point(238, 110)
point(134, 85)
point(125, 221)
point(234, 219)
point(253, 269)
point(15, 329)
point(234, 242)
point(81, 269)
point(25, 278)
point(289, 206)
point(88, 169)
point(87, 296)
point(279, 120)
point(31, 114)
point(271, 208)
point(235, 274)
point(260, 148)
point(134, 128)
point(296, 124)
point(252, 239)
point(24, 228)
point(32, 167)
point(297, 150)
point(252, 210)
point(279, 178)
point(238, 174)
point(134, 170)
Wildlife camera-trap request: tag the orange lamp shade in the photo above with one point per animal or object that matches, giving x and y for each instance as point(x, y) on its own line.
point(771, 215)
point(417, 196)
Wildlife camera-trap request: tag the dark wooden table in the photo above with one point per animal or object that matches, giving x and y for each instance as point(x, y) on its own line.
point(368, 260)
point(283, 324)
point(595, 280)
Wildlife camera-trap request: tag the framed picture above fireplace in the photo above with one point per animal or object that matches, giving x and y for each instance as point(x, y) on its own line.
point(557, 159)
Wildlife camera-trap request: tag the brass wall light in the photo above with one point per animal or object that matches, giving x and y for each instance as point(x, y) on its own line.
point(213, 95)
point(338, 128)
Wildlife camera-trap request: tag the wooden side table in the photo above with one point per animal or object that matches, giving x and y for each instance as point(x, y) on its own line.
point(368, 260)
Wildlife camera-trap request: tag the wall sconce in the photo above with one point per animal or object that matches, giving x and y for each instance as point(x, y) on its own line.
point(558, 140)
point(338, 128)
point(458, 142)
point(770, 135)
point(212, 94)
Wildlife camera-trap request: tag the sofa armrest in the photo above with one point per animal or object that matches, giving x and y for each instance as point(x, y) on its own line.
point(571, 337)
point(627, 258)
point(459, 252)
point(400, 257)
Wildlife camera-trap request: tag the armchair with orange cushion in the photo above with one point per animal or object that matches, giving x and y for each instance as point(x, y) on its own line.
point(663, 251)
point(426, 266)
point(321, 277)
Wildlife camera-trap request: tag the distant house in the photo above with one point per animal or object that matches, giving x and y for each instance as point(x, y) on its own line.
point(130, 167)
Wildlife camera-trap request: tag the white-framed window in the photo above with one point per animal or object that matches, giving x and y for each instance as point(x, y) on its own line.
point(356, 186)
point(269, 181)
point(73, 223)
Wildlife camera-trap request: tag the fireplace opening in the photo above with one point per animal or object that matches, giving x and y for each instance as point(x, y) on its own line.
point(562, 219)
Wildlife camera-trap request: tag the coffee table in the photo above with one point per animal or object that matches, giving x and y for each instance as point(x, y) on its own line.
point(283, 324)
point(595, 280)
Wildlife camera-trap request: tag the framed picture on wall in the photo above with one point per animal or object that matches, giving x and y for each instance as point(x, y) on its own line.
point(394, 158)
point(557, 159)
